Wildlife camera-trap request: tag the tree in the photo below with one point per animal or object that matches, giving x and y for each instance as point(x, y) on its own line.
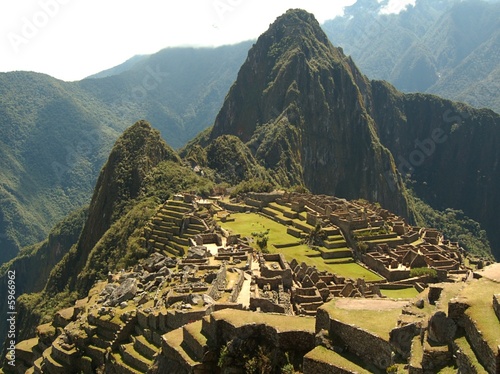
point(261, 239)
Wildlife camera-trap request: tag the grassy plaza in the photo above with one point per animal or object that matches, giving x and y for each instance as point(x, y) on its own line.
point(247, 223)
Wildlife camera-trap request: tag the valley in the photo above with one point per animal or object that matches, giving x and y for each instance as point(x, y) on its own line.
point(320, 222)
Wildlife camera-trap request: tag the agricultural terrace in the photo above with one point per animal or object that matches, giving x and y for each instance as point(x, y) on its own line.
point(247, 223)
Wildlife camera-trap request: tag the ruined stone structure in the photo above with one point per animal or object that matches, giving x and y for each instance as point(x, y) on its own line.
point(203, 290)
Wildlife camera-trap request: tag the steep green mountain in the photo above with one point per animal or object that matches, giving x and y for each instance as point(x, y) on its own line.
point(298, 105)
point(34, 264)
point(448, 152)
point(179, 89)
point(449, 48)
point(305, 113)
point(141, 172)
point(55, 136)
point(52, 144)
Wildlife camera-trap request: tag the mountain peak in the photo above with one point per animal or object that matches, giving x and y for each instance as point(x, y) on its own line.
point(291, 50)
point(297, 23)
point(300, 105)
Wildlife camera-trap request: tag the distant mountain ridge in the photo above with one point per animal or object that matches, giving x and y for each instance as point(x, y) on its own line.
point(448, 48)
point(55, 135)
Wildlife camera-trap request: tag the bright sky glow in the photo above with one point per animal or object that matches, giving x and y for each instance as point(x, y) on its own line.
point(71, 39)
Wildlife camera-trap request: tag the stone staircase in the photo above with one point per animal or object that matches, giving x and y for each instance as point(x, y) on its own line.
point(176, 222)
point(187, 346)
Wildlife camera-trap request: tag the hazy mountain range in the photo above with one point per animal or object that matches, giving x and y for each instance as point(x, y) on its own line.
point(55, 135)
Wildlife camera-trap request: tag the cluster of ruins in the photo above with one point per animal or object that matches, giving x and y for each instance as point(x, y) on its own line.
point(203, 286)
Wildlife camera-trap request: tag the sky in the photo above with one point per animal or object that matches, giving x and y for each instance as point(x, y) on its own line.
point(72, 39)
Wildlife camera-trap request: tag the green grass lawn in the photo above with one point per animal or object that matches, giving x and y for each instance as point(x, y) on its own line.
point(405, 293)
point(245, 224)
point(479, 295)
point(364, 319)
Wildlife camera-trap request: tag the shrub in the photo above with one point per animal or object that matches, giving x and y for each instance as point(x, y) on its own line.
point(418, 272)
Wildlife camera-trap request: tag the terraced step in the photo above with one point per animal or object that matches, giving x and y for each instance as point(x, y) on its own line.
point(194, 339)
point(277, 207)
point(172, 348)
point(197, 227)
point(159, 239)
point(169, 248)
point(331, 244)
point(179, 209)
point(191, 232)
point(270, 212)
point(65, 357)
point(179, 204)
point(52, 365)
point(144, 347)
point(323, 360)
point(181, 241)
point(97, 354)
point(343, 252)
point(173, 213)
point(122, 367)
point(134, 359)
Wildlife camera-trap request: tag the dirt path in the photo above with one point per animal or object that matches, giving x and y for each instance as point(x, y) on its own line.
point(491, 272)
point(369, 304)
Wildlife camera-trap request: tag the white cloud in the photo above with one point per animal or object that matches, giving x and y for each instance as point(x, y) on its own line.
point(72, 39)
point(396, 6)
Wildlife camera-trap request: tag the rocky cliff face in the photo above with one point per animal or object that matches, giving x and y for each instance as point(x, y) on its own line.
point(299, 105)
point(449, 152)
point(312, 118)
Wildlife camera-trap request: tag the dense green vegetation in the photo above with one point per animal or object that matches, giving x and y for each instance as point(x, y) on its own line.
point(455, 226)
point(34, 264)
point(55, 136)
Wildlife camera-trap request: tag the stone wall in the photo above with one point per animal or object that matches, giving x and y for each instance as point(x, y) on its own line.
point(220, 331)
point(496, 305)
point(218, 284)
point(237, 287)
point(365, 345)
point(265, 305)
point(483, 351)
point(264, 196)
point(379, 267)
point(464, 363)
point(273, 282)
point(284, 275)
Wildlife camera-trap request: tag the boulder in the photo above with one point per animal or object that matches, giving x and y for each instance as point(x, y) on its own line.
point(401, 338)
point(154, 262)
point(126, 291)
point(208, 300)
point(197, 253)
point(441, 328)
